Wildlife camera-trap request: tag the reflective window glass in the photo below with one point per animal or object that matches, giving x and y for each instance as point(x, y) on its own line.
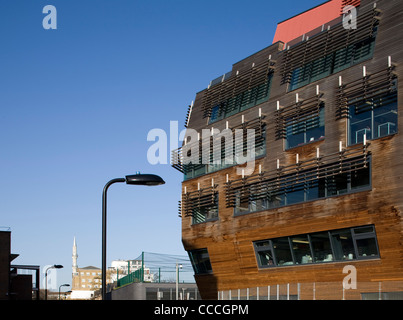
point(281, 247)
point(322, 250)
point(343, 246)
point(301, 249)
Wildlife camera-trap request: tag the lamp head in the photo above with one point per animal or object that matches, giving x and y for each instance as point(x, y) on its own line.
point(144, 179)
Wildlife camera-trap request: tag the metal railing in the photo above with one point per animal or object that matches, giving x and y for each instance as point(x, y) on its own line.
point(382, 290)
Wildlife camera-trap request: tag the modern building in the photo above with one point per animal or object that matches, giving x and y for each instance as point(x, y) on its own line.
point(292, 162)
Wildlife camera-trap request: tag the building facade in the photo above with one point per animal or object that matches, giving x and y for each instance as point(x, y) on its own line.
point(86, 281)
point(292, 163)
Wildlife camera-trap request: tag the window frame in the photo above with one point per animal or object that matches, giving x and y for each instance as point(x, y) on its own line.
point(307, 124)
point(372, 116)
point(331, 257)
point(242, 101)
point(197, 170)
point(331, 63)
point(195, 264)
point(284, 193)
point(209, 208)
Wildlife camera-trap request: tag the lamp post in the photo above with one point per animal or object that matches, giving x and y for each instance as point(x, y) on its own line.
point(136, 179)
point(63, 285)
point(55, 266)
point(178, 266)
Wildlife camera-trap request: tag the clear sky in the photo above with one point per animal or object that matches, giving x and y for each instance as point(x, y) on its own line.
point(77, 103)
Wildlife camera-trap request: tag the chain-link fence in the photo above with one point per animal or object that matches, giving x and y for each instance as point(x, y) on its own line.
point(154, 268)
point(167, 267)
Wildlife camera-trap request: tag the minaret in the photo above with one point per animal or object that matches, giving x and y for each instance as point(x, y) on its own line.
point(75, 256)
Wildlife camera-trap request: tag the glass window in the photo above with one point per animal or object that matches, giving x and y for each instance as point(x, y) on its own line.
point(313, 190)
point(367, 247)
point(200, 261)
point(360, 178)
point(365, 239)
point(373, 118)
point(241, 202)
point(321, 247)
point(305, 130)
point(333, 62)
point(264, 254)
point(366, 229)
point(343, 246)
point(322, 250)
point(217, 113)
point(234, 151)
point(321, 68)
point(275, 198)
point(282, 252)
point(242, 101)
point(206, 213)
point(295, 194)
point(337, 184)
point(301, 249)
point(300, 76)
point(343, 58)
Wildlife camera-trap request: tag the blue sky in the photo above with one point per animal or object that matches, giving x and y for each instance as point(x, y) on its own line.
point(77, 103)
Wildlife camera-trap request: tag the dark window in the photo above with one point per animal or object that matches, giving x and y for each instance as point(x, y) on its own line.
point(242, 101)
point(321, 247)
point(333, 62)
point(206, 213)
point(217, 112)
point(196, 170)
point(373, 118)
point(366, 243)
point(356, 243)
point(295, 193)
point(301, 249)
point(282, 252)
point(305, 129)
point(200, 261)
point(343, 247)
point(252, 199)
point(264, 254)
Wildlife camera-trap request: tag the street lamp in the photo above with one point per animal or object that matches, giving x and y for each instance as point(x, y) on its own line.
point(63, 285)
point(55, 266)
point(178, 266)
point(136, 179)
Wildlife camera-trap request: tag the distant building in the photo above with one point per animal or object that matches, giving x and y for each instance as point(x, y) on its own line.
point(121, 268)
point(85, 281)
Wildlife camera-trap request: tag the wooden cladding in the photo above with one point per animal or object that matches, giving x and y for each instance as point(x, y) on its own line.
point(328, 42)
point(198, 199)
point(300, 111)
point(265, 184)
point(236, 85)
point(362, 90)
